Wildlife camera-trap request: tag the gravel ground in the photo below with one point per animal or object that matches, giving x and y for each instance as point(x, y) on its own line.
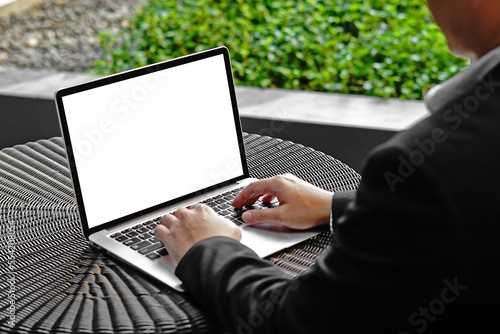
point(61, 34)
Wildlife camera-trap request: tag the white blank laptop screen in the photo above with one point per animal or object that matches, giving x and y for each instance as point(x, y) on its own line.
point(153, 138)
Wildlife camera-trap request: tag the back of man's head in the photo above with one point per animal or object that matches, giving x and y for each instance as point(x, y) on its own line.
point(472, 27)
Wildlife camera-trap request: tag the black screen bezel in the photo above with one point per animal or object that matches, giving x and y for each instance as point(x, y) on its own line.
point(132, 74)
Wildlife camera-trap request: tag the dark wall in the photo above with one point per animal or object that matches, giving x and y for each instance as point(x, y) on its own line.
point(348, 144)
point(26, 119)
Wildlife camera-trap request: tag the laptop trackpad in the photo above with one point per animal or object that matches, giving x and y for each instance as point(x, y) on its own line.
point(267, 239)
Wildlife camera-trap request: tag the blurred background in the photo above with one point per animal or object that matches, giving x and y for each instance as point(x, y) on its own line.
point(377, 48)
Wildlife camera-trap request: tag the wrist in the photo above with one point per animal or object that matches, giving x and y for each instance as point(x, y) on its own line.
point(325, 209)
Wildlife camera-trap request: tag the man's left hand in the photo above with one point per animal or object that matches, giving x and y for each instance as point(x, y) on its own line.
point(185, 227)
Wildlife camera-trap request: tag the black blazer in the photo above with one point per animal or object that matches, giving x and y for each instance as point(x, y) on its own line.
point(416, 249)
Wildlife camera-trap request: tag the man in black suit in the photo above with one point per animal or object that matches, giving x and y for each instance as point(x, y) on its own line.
point(416, 247)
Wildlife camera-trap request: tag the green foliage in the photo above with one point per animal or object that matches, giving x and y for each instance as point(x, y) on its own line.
point(378, 47)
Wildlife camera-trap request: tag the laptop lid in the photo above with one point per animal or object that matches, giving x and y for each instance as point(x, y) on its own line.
point(150, 137)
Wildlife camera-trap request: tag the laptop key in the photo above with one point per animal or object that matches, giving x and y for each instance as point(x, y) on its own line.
point(225, 213)
point(237, 221)
point(151, 248)
point(162, 251)
point(143, 230)
point(141, 245)
point(132, 241)
point(145, 236)
point(114, 235)
point(153, 256)
point(237, 213)
point(121, 238)
point(132, 234)
point(223, 206)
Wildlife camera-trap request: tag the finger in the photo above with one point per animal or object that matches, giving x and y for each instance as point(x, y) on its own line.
point(206, 208)
point(268, 198)
point(180, 212)
point(273, 216)
point(253, 191)
point(201, 206)
point(242, 198)
point(252, 199)
point(162, 233)
point(168, 219)
point(246, 196)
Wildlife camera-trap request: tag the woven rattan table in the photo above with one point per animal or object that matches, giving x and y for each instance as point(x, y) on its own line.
point(51, 281)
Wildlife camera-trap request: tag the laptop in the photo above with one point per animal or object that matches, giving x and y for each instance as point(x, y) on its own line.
point(145, 142)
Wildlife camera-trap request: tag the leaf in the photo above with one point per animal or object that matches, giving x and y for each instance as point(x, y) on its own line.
point(371, 47)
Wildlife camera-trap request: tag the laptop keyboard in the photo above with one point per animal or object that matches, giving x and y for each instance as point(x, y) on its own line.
point(141, 237)
point(221, 204)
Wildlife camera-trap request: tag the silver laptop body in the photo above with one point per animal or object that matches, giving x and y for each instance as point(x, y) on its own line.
point(145, 142)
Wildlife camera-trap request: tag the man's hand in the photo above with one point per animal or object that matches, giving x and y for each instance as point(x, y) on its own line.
point(185, 227)
point(301, 205)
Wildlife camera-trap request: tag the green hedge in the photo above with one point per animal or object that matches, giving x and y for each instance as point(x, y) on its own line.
point(379, 47)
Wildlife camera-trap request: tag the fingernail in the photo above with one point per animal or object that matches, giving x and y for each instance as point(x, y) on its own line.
point(247, 216)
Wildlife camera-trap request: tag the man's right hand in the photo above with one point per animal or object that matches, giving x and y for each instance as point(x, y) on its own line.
point(301, 204)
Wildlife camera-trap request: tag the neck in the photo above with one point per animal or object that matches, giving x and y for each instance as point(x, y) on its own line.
point(492, 46)
point(487, 34)
point(477, 49)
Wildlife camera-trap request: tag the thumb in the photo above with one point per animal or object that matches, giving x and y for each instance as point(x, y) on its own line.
point(262, 216)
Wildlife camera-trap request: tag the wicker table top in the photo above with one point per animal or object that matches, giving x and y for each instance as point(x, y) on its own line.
point(51, 281)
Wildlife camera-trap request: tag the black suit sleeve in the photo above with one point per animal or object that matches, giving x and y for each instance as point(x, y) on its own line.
point(391, 255)
point(340, 201)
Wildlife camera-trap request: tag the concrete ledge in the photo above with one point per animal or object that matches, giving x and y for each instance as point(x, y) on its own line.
point(37, 83)
point(344, 126)
point(330, 109)
point(8, 7)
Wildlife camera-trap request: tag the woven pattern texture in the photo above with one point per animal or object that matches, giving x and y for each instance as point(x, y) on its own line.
point(64, 286)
